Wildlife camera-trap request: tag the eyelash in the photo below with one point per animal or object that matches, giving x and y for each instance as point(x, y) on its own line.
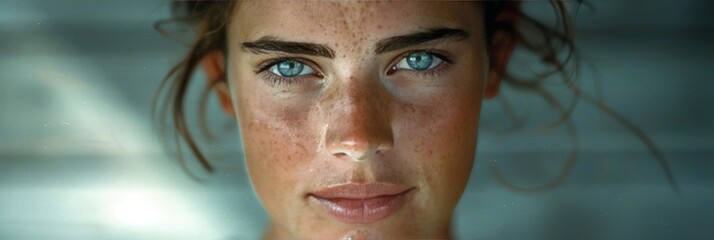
point(426, 73)
point(278, 80)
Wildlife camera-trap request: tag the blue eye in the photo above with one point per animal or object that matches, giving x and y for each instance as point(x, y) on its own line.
point(290, 68)
point(418, 61)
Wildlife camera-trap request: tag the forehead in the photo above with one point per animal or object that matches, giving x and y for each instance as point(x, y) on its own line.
point(353, 21)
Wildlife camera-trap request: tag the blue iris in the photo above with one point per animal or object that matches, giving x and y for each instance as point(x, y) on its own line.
point(420, 60)
point(290, 68)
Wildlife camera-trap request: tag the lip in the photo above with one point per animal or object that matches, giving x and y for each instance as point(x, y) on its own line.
point(362, 203)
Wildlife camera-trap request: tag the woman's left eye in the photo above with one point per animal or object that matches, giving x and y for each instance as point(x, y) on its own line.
point(290, 68)
point(418, 61)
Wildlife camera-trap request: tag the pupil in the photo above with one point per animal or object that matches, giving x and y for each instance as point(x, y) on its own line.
point(290, 68)
point(419, 61)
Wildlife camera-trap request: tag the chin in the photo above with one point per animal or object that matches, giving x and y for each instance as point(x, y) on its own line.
point(359, 233)
point(394, 227)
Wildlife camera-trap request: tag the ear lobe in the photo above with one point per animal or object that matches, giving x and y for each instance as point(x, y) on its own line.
point(215, 71)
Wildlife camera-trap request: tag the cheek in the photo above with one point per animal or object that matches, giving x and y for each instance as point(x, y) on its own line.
point(439, 142)
point(277, 146)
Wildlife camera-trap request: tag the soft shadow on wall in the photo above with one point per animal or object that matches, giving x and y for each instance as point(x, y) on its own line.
point(78, 158)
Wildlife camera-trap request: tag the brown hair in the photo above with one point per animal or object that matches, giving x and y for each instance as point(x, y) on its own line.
point(553, 45)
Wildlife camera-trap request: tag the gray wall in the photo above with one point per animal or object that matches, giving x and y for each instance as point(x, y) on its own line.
point(79, 159)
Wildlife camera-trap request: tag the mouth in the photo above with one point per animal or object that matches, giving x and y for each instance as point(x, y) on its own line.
point(361, 203)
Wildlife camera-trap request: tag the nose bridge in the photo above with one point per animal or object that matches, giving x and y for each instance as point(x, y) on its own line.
point(359, 126)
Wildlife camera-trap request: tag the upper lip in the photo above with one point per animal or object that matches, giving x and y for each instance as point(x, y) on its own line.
point(361, 190)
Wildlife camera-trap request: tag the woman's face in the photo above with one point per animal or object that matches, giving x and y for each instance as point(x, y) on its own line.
point(358, 118)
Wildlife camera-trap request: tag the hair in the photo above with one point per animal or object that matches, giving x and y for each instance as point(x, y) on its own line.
point(553, 45)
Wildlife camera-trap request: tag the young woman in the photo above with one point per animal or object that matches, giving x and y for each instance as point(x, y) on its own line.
point(358, 119)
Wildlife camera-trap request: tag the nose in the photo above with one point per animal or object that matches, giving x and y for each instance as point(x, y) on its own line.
point(359, 127)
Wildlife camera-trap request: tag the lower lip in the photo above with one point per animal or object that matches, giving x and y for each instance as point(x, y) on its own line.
point(363, 211)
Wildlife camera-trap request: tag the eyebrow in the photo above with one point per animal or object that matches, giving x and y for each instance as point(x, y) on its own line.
point(399, 42)
point(273, 44)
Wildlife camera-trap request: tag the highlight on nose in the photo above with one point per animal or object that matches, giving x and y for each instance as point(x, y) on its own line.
point(359, 149)
point(358, 138)
point(358, 117)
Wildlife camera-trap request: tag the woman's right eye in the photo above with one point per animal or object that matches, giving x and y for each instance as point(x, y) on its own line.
point(290, 69)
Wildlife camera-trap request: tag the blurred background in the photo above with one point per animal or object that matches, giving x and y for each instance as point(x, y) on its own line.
point(79, 158)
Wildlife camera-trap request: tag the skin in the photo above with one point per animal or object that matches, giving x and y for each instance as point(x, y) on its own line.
point(414, 128)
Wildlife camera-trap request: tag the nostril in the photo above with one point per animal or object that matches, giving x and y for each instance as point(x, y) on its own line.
point(384, 147)
point(359, 150)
